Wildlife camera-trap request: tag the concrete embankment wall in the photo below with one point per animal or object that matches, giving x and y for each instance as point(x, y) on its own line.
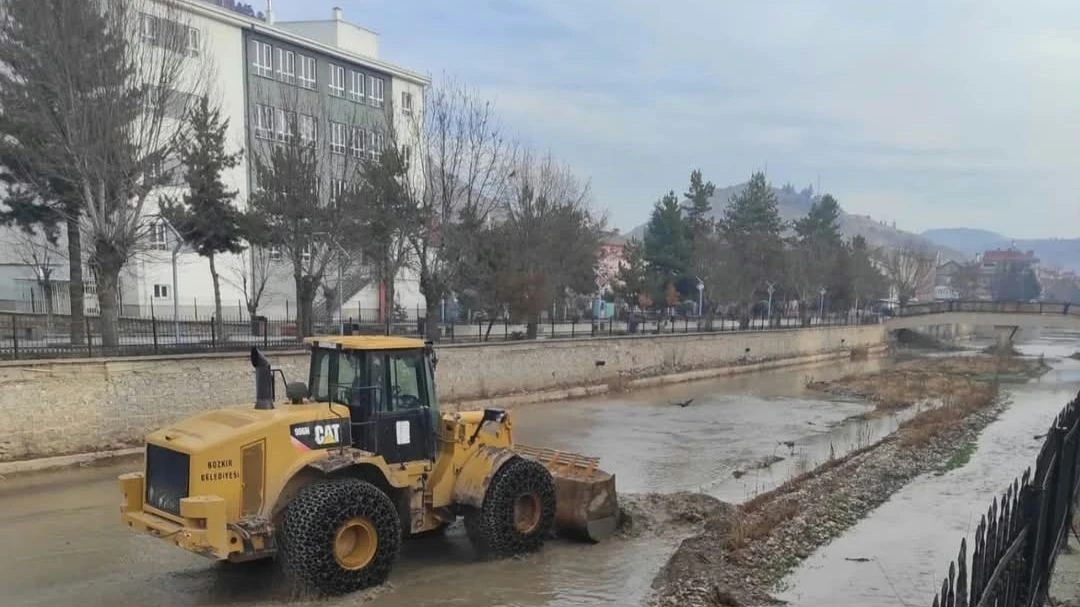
point(61, 407)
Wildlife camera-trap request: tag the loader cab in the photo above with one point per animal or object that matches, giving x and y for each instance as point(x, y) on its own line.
point(388, 385)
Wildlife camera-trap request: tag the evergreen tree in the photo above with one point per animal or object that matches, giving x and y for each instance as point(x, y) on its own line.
point(867, 282)
point(818, 258)
point(698, 209)
point(750, 229)
point(632, 279)
point(667, 243)
point(205, 216)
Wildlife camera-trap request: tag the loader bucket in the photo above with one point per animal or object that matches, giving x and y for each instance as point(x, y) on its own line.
point(586, 503)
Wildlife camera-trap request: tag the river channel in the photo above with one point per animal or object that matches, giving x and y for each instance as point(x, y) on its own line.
point(65, 545)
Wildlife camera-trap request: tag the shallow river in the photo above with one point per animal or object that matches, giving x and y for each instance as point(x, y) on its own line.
point(911, 539)
point(64, 544)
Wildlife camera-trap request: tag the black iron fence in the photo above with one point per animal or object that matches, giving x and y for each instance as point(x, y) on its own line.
point(996, 307)
point(30, 336)
point(1018, 540)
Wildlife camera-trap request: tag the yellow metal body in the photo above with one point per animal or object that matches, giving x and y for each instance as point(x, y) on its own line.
point(244, 465)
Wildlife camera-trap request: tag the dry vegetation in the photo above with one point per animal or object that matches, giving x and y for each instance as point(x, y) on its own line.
point(929, 380)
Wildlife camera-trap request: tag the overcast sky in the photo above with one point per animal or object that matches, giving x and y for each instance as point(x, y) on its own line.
point(932, 113)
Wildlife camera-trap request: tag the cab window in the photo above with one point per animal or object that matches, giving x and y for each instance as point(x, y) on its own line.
point(407, 386)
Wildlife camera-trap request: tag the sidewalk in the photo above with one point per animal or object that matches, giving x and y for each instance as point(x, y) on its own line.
point(1065, 581)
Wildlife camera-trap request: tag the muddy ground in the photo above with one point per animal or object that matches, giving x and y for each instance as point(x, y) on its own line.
point(741, 553)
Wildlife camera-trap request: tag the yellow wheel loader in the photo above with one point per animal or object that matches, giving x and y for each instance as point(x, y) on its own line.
point(357, 459)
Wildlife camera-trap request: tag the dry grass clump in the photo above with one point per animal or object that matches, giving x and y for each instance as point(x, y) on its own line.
point(962, 400)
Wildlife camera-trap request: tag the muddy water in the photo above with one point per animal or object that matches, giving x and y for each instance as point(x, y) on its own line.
point(911, 539)
point(63, 545)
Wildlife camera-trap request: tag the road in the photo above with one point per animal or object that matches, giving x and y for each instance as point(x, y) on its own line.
point(64, 545)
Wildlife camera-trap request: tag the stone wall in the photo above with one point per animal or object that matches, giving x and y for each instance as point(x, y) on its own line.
point(59, 407)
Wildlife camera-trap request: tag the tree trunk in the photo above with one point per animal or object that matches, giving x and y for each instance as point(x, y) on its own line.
point(219, 324)
point(532, 329)
point(390, 310)
point(75, 282)
point(305, 301)
point(432, 298)
point(108, 281)
point(47, 291)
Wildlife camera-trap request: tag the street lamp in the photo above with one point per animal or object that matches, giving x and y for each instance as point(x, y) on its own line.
point(821, 309)
point(768, 310)
point(700, 297)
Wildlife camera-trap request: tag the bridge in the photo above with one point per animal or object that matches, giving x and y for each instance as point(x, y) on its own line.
point(1006, 317)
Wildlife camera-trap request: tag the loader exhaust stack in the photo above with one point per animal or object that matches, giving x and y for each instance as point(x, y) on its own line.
point(586, 503)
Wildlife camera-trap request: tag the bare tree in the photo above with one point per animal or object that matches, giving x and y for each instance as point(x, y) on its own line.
point(252, 277)
point(460, 170)
point(89, 92)
point(552, 236)
point(306, 206)
point(907, 267)
point(43, 256)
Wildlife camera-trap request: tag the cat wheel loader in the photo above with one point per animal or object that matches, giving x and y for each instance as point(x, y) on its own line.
point(356, 460)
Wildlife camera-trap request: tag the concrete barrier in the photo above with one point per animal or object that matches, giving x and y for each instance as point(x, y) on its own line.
point(62, 407)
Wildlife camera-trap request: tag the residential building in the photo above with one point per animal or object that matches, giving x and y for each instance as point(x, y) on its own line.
point(259, 72)
point(611, 259)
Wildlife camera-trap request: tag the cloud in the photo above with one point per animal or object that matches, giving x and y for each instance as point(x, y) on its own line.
point(928, 113)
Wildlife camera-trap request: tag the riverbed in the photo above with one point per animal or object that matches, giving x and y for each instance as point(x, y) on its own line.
point(72, 549)
point(901, 552)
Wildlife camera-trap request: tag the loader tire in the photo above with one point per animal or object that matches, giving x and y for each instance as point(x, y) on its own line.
point(518, 511)
point(339, 536)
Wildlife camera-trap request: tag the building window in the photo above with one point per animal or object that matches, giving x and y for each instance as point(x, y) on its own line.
point(148, 27)
point(275, 254)
point(356, 142)
point(375, 91)
point(308, 130)
point(337, 138)
point(286, 65)
point(307, 72)
point(194, 48)
point(356, 86)
point(305, 253)
point(159, 235)
point(263, 55)
point(375, 143)
point(406, 102)
point(337, 188)
point(337, 80)
point(285, 126)
point(264, 121)
point(161, 291)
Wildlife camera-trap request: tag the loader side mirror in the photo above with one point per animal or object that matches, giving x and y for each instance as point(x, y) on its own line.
point(296, 392)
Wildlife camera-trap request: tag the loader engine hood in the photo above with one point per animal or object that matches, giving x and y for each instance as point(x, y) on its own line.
point(227, 453)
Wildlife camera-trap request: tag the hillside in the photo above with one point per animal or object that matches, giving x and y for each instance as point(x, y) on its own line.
point(1052, 252)
point(794, 204)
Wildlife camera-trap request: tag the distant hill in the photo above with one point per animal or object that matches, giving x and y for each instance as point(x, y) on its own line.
point(1060, 252)
point(794, 204)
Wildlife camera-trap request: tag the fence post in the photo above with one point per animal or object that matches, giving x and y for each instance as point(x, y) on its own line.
point(153, 328)
point(15, 334)
point(89, 338)
point(213, 333)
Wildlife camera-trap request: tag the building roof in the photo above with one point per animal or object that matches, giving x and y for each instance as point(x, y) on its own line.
point(1006, 255)
point(255, 24)
point(366, 342)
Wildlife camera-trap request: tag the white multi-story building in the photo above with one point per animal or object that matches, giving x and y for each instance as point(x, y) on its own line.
point(245, 64)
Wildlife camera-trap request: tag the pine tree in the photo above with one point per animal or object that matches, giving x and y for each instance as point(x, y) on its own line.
point(698, 209)
point(750, 229)
point(667, 243)
point(205, 216)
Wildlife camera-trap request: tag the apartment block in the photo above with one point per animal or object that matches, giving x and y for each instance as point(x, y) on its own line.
point(319, 80)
